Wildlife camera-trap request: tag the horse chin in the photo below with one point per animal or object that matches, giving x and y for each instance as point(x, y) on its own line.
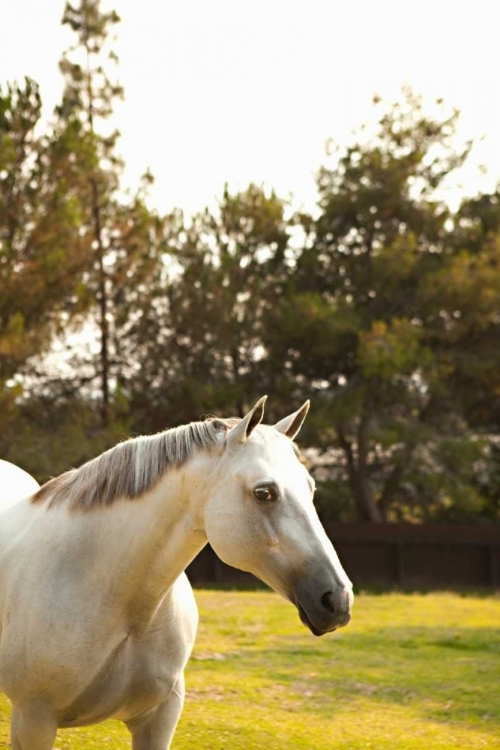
point(287, 594)
point(307, 622)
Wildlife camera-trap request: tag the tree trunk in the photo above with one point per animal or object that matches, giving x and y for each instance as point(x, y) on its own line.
point(367, 508)
point(103, 305)
point(103, 299)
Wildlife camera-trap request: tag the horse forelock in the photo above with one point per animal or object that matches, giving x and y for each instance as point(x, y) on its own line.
point(132, 468)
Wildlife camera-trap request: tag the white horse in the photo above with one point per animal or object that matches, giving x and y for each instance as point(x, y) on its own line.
point(97, 618)
point(16, 484)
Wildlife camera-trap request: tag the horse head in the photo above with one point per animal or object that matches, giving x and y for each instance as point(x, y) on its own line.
point(260, 517)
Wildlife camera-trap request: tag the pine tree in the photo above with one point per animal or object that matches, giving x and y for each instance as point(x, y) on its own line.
point(41, 252)
point(87, 105)
point(124, 235)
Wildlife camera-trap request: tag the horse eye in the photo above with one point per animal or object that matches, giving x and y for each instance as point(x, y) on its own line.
point(265, 494)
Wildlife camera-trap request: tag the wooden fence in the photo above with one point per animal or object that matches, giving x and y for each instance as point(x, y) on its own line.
point(409, 556)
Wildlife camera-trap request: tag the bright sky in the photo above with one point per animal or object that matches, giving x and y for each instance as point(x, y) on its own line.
point(237, 91)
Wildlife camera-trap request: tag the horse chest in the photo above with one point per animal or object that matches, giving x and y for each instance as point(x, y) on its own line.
point(134, 682)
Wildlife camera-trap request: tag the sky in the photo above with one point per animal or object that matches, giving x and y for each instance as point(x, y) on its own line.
point(232, 91)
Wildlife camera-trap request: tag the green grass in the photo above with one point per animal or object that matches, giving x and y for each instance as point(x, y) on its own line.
point(412, 671)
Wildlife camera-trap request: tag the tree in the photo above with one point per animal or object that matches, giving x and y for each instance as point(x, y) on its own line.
point(366, 330)
point(123, 236)
point(199, 333)
point(75, 251)
point(470, 297)
point(383, 307)
point(88, 101)
point(41, 252)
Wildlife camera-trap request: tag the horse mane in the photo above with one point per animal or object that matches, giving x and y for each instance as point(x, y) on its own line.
point(132, 467)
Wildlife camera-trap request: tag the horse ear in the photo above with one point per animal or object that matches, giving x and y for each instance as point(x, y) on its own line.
point(243, 429)
point(291, 425)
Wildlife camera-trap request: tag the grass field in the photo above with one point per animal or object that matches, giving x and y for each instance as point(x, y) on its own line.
point(412, 671)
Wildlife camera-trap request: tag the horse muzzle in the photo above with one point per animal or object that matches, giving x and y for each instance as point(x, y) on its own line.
point(325, 612)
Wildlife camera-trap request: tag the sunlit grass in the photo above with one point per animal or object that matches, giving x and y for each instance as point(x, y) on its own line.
point(412, 671)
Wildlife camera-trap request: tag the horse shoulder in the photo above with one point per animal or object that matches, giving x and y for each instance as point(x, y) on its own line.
point(157, 657)
point(176, 621)
point(185, 604)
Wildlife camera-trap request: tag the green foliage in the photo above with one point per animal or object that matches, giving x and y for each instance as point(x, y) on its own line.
point(382, 307)
point(384, 256)
point(392, 350)
point(41, 252)
point(48, 437)
point(201, 327)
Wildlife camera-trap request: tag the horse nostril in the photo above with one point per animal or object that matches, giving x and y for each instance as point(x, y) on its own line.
point(327, 601)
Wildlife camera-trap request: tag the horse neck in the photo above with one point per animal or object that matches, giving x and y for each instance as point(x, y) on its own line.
point(155, 538)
